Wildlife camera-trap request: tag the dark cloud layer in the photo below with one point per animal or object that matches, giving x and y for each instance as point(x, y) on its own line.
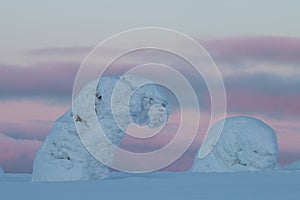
point(265, 94)
point(264, 83)
point(45, 80)
point(241, 50)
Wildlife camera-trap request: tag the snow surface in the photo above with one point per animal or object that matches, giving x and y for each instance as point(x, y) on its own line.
point(293, 166)
point(245, 144)
point(63, 157)
point(275, 185)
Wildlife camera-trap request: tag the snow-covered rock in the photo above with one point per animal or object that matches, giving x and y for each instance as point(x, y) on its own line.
point(63, 157)
point(245, 144)
point(293, 166)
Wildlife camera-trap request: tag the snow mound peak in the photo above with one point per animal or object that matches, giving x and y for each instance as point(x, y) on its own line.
point(293, 166)
point(245, 144)
point(117, 102)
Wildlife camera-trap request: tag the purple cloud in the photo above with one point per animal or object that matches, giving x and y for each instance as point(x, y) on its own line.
point(288, 157)
point(61, 51)
point(44, 80)
point(273, 49)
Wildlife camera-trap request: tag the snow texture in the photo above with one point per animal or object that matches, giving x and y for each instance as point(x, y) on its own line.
point(245, 144)
point(63, 157)
point(293, 166)
point(275, 185)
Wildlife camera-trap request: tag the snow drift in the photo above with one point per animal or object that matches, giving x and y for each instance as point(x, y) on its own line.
point(63, 157)
point(293, 166)
point(245, 144)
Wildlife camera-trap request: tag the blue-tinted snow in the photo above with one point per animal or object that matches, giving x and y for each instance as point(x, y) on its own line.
point(243, 185)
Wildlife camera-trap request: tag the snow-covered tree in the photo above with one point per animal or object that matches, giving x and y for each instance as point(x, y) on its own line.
point(63, 157)
point(245, 144)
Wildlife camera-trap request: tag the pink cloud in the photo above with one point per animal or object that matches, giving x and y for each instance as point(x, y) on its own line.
point(155, 143)
point(264, 104)
point(274, 99)
point(26, 110)
point(17, 155)
point(26, 129)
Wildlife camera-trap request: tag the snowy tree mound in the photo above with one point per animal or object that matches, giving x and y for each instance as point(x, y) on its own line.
point(245, 144)
point(1, 170)
point(63, 157)
point(293, 166)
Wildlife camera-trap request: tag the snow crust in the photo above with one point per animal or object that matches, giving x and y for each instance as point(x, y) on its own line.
point(245, 144)
point(63, 157)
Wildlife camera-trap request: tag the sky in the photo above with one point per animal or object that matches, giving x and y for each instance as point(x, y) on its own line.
point(255, 44)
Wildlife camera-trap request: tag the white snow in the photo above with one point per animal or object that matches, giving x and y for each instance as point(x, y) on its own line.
point(275, 185)
point(293, 166)
point(63, 157)
point(245, 144)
